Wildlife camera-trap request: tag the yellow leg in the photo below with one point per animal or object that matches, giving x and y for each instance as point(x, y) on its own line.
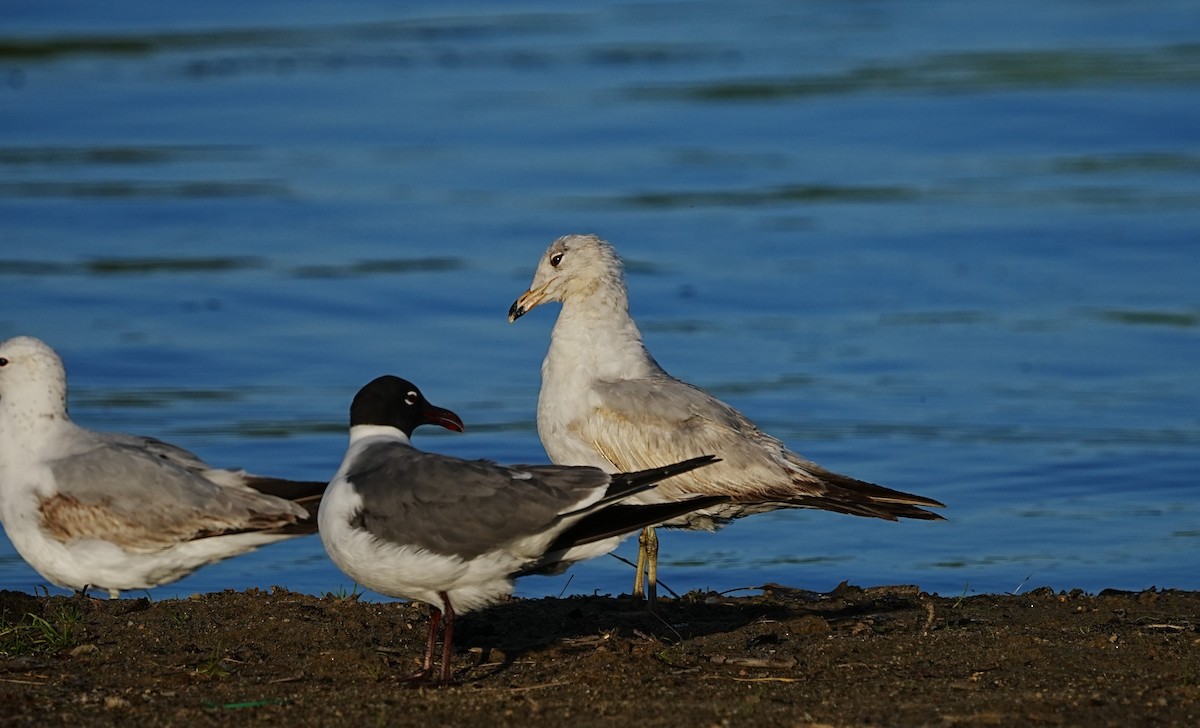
point(651, 567)
point(639, 591)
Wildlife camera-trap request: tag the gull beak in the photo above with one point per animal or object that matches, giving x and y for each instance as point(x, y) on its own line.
point(528, 301)
point(444, 417)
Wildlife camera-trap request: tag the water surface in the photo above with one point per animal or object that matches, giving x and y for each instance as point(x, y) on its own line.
point(947, 247)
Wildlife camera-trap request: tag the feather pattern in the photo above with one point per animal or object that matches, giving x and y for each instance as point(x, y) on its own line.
point(606, 402)
point(117, 511)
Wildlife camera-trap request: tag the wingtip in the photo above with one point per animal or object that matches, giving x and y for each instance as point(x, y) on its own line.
point(692, 463)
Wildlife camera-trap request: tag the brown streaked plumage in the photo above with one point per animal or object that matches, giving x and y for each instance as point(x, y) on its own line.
point(606, 402)
point(115, 511)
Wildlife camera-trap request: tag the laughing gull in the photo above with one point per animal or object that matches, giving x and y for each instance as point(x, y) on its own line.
point(113, 511)
point(605, 402)
point(455, 533)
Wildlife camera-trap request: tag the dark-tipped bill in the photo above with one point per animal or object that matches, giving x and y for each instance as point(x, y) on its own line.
point(444, 417)
point(528, 301)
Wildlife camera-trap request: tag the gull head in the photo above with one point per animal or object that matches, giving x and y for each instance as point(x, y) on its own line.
point(390, 401)
point(574, 266)
point(32, 378)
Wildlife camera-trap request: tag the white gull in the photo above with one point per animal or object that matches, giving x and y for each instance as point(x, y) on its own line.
point(112, 511)
point(455, 533)
point(606, 402)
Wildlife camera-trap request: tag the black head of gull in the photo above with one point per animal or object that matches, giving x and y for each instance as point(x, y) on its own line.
point(394, 402)
point(607, 403)
point(113, 511)
point(455, 533)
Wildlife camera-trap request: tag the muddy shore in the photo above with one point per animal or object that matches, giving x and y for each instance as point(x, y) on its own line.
point(780, 656)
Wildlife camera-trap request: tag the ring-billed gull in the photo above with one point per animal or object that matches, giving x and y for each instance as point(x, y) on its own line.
point(454, 533)
point(112, 511)
point(606, 402)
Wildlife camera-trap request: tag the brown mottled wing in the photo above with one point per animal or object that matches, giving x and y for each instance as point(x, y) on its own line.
point(642, 423)
point(639, 423)
point(134, 498)
point(305, 493)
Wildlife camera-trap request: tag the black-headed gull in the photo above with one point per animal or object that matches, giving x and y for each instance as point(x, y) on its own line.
point(454, 533)
point(112, 511)
point(606, 402)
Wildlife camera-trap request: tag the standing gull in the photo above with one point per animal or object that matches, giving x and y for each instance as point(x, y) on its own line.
point(113, 511)
point(455, 533)
point(605, 402)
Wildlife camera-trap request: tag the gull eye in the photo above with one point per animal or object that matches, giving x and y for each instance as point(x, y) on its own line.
point(3, 362)
point(554, 261)
point(411, 398)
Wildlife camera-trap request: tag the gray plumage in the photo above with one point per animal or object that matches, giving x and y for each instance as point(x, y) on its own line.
point(455, 533)
point(152, 502)
point(463, 507)
point(116, 511)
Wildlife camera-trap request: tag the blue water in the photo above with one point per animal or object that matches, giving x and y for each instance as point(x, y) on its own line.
point(948, 247)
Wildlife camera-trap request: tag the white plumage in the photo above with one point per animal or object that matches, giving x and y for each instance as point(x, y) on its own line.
point(455, 533)
point(114, 511)
point(606, 402)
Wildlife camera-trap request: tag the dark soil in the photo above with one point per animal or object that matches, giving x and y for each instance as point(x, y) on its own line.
point(880, 656)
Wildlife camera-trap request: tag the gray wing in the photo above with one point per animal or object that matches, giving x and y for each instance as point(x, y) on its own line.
point(140, 500)
point(305, 493)
point(642, 423)
point(464, 507)
point(163, 450)
point(639, 423)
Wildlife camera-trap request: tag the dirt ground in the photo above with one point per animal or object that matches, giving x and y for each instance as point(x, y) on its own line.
point(850, 657)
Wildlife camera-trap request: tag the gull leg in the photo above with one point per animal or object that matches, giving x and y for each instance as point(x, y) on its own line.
point(447, 637)
point(435, 619)
point(639, 591)
point(651, 567)
point(90, 601)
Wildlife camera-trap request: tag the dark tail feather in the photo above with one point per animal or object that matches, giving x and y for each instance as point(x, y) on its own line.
point(886, 511)
point(304, 493)
point(859, 498)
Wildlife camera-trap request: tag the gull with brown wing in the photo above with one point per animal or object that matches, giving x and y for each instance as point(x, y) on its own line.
point(113, 511)
point(606, 402)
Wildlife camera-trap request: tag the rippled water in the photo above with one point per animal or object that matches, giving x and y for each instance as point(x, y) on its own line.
point(948, 247)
